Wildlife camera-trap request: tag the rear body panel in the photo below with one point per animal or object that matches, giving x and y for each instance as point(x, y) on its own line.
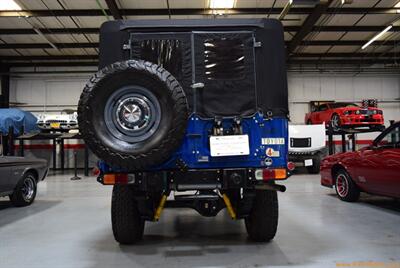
point(268, 146)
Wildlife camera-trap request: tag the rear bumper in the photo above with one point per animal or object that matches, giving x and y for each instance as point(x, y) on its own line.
point(190, 180)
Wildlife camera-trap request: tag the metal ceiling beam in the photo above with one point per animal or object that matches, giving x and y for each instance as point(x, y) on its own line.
point(286, 28)
point(113, 8)
point(342, 28)
point(51, 31)
point(341, 62)
point(294, 56)
point(44, 58)
point(344, 55)
point(308, 25)
point(45, 45)
point(96, 45)
point(190, 11)
point(291, 61)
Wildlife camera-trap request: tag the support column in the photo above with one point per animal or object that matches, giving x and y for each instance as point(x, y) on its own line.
point(4, 86)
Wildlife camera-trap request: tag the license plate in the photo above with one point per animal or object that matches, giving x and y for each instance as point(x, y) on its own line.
point(308, 162)
point(55, 125)
point(234, 145)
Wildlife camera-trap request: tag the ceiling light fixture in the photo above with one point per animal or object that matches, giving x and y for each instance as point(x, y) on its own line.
point(377, 36)
point(9, 5)
point(398, 7)
point(222, 4)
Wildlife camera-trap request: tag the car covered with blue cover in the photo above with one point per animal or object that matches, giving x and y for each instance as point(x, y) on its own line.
point(17, 119)
point(189, 105)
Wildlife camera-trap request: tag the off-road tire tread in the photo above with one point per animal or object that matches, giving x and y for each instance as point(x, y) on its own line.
point(159, 153)
point(262, 223)
point(127, 224)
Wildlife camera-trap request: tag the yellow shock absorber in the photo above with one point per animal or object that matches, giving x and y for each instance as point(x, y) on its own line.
point(229, 207)
point(160, 207)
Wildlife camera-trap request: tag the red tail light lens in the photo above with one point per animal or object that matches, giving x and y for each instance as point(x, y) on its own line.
point(291, 166)
point(271, 174)
point(112, 179)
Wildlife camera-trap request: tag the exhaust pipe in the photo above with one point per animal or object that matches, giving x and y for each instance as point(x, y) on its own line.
point(273, 187)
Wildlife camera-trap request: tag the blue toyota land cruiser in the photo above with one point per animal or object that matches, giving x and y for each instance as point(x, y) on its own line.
point(190, 105)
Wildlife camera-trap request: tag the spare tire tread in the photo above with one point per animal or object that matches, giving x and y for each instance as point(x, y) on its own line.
point(157, 154)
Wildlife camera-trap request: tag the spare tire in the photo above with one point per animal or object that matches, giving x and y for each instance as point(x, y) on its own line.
point(133, 114)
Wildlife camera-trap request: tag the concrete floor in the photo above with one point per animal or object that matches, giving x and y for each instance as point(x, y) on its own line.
point(69, 226)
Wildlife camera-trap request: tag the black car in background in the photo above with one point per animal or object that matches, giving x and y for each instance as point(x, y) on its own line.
point(19, 177)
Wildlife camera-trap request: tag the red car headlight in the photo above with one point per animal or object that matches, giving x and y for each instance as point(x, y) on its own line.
point(358, 112)
point(347, 112)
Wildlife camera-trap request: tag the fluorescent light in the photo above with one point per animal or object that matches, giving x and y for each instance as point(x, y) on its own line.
point(377, 36)
point(222, 4)
point(398, 7)
point(9, 5)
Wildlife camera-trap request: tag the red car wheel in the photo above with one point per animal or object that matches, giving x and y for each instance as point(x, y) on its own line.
point(346, 189)
point(335, 122)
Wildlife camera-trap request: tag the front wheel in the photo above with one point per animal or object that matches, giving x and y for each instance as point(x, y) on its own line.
point(335, 122)
point(345, 188)
point(25, 192)
point(262, 223)
point(127, 224)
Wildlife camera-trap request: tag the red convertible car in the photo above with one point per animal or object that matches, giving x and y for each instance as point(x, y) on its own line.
point(346, 114)
point(374, 169)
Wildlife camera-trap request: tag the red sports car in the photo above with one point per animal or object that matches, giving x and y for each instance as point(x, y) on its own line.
point(374, 169)
point(346, 114)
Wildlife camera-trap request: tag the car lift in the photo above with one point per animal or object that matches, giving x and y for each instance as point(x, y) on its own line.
point(352, 134)
point(56, 138)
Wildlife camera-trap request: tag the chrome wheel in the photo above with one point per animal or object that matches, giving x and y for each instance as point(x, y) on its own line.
point(335, 122)
point(132, 114)
point(342, 185)
point(28, 188)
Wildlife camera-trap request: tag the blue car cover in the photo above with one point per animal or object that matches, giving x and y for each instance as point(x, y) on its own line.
point(17, 118)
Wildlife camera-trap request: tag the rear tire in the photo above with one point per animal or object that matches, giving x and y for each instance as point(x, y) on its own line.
point(133, 114)
point(345, 188)
point(25, 192)
point(262, 223)
point(127, 224)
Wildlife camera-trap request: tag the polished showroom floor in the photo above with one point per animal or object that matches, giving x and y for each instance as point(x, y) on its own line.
point(69, 226)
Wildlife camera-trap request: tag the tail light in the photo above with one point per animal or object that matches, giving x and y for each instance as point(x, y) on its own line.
point(271, 174)
point(111, 179)
point(291, 166)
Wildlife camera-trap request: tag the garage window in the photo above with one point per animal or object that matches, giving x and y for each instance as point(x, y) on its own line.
point(224, 59)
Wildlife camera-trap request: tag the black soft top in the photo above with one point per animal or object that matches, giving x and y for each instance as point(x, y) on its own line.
point(264, 88)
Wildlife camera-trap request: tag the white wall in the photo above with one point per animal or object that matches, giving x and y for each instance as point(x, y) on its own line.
point(54, 92)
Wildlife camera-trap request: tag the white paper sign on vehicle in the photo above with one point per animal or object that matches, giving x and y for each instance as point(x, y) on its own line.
point(233, 145)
